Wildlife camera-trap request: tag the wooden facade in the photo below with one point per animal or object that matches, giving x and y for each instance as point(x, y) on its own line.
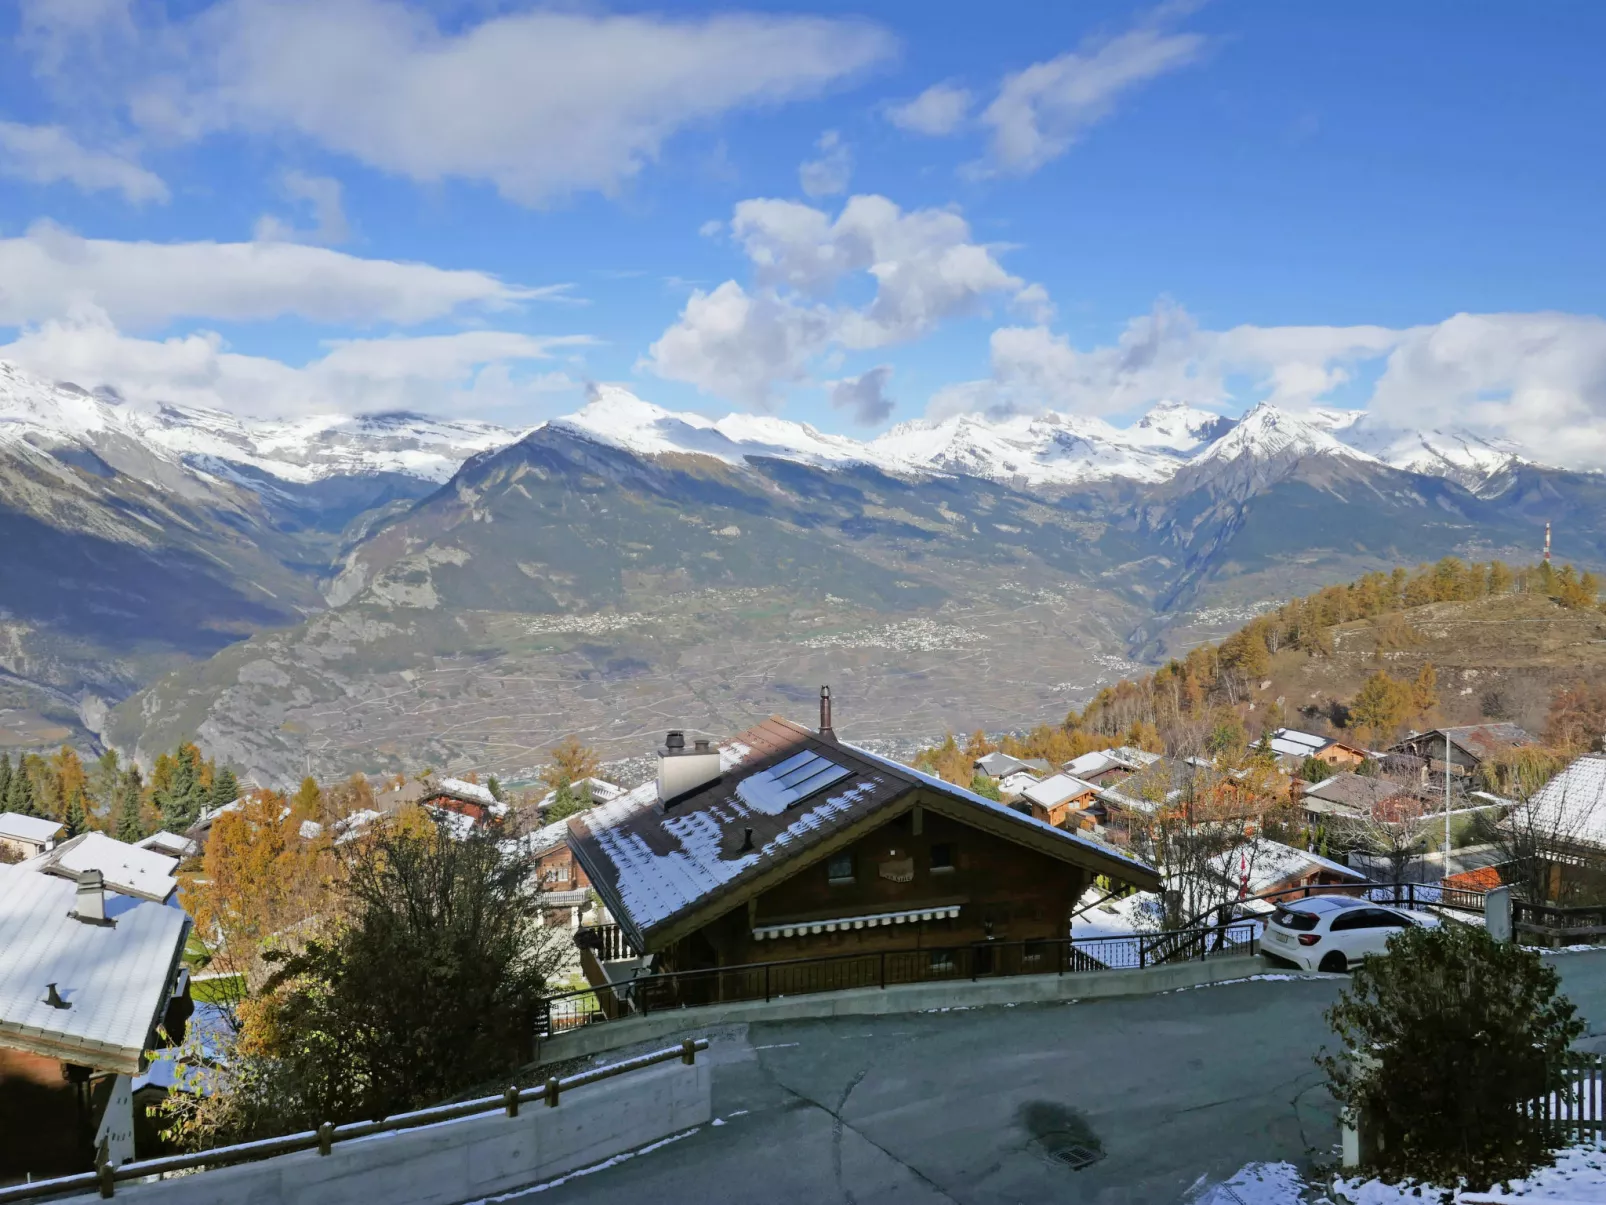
point(920, 860)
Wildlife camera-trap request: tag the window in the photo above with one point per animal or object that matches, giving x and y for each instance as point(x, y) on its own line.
point(942, 858)
point(839, 869)
point(1363, 918)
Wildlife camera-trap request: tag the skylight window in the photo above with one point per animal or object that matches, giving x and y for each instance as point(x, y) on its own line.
point(774, 790)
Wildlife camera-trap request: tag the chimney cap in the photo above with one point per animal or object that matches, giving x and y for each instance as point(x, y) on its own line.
point(702, 744)
point(675, 740)
point(826, 730)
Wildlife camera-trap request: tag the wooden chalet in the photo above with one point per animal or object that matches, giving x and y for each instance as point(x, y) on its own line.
point(1464, 749)
point(788, 843)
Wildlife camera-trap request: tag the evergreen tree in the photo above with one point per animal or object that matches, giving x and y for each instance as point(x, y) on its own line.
point(20, 793)
point(5, 780)
point(564, 804)
point(103, 780)
point(73, 818)
point(225, 787)
point(494, 787)
point(984, 786)
point(130, 824)
point(186, 794)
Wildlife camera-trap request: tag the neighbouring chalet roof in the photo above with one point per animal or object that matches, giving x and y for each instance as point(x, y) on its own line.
point(33, 829)
point(1481, 741)
point(661, 870)
point(1571, 808)
point(1126, 757)
point(116, 978)
point(466, 792)
point(1271, 863)
point(602, 791)
point(998, 763)
point(1354, 791)
point(1290, 742)
point(128, 870)
point(1053, 791)
point(171, 844)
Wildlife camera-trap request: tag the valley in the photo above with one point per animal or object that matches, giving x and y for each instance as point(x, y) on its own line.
point(389, 592)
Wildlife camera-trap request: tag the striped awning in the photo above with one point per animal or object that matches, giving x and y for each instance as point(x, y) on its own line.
point(844, 923)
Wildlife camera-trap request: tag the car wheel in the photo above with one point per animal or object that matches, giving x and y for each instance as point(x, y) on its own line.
point(1334, 964)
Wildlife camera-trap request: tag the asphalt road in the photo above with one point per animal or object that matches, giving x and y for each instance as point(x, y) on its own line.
point(1172, 1093)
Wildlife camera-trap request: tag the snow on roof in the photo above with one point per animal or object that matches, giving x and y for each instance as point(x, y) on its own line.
point(1355, 790)
point(660, 863)
point(1572, 805)
point(1289, 742)
point(33, 829)
point(126, 869)
point(115, 978)
point(1090, 763)
point(998, 763)
point(1053, 791)
point(171, 844)
point(468, 792)
point(1271, 863)
point(602, 791)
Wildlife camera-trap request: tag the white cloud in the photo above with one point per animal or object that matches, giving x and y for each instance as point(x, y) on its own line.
point(469, 370)
point(49, 270)
point(829, 174)
point(1536, 380)
point(865, 395)
point(539, 103)
point(940, 109)
point(1041, 111)
point(320, 194)
point(743, 345)
point(50, 155)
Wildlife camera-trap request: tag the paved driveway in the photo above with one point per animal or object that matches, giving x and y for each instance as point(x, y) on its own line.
point(1171, 1093)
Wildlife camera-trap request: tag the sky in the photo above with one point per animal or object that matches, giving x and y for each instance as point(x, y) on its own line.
point(850, 215)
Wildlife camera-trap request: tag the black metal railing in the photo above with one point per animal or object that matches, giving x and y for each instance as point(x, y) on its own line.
point(106, 1177)
point(649, 993)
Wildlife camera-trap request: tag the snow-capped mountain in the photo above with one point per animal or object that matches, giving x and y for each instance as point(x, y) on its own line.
point(1471, 460)
point(158, 443)
point(1263, 447)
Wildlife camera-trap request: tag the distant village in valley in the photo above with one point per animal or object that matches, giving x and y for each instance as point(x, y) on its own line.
point(187, 960)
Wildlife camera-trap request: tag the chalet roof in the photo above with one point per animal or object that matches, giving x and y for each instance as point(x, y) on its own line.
point(171, 844)
point(656, 867)
point(1053, 791)
point(127, 870)
point(998, 763)
point(116, 978)
point(33, 829)
point(1126, 757)
point(1482, 741)
point(1271, 863)
point(602, 791)
point(1355, 791)
point(466, 792)
point(1290, 742)
point(1571, 807)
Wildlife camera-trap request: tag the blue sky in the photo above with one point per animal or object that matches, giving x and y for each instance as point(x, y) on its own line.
point(1100, 206)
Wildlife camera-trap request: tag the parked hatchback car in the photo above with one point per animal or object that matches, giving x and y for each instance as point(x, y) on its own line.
point(1333, 932)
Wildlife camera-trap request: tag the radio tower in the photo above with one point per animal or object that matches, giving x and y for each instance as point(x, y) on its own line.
point(1547, 543)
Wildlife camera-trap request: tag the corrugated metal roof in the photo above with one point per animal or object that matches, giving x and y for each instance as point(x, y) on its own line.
point(131, 871)
point(1572, 805)
point(33, 829)
point(116, 978)
point(657, 865)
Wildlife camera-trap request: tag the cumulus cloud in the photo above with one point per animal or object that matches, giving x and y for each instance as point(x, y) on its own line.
point(1041, 111)
point(864, 396)
point(744, 344)
point(48, 154)
point(49, 270)
point(1536, 380)
point(540, 103)
point(321, 195)
point(940, 109)
point(468, 370)
point(829, 174)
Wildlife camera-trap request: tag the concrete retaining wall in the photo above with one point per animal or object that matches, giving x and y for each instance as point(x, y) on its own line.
point(463, 1160)
point(902, 998)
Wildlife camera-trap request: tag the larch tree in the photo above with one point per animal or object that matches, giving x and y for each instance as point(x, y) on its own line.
point(571, 761)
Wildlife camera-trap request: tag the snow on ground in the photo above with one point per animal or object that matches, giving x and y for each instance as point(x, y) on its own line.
point(1254, 1184)
point(1139, 913)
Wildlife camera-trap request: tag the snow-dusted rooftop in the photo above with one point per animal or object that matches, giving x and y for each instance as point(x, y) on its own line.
point(33, 829)
point(1572, 805)
point(1058, 788)
point(127, 870)
point(114, 979)
point(653, 865)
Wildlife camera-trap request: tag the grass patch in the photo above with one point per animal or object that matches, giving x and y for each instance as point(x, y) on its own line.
point(222, 990)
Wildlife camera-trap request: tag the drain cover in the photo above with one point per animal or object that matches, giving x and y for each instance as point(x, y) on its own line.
point(1076, 1157)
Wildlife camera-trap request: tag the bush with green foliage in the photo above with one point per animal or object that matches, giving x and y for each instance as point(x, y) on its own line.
point(1462, 1031)
point(984, 785)
point(1314, 770)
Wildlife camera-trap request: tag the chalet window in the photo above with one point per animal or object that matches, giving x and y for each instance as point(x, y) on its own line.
point(942, 858)
point(839, 869)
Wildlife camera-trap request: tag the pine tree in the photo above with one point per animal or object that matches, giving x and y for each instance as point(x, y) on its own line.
point(20, 792)
point(494, 787)
point(73, 818)
point(225, 788)
point(5, 780)
point(186, 794)
point(130, 824)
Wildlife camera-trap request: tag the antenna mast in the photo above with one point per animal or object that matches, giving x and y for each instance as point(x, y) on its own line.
point(1547, 543)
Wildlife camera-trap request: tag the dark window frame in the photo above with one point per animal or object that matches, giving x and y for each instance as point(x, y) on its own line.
point(835, 862)
point(950, 854)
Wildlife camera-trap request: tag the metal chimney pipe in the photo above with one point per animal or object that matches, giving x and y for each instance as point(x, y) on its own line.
point(825, 714)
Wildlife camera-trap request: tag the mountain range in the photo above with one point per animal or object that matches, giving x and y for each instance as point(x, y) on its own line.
point(380, 591)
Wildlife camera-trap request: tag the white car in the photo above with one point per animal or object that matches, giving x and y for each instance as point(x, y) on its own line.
point(1333, 932)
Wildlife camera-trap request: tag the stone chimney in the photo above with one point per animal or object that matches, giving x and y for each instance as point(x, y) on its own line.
point(826, 731)
point(681, 769)
point(91, 904)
